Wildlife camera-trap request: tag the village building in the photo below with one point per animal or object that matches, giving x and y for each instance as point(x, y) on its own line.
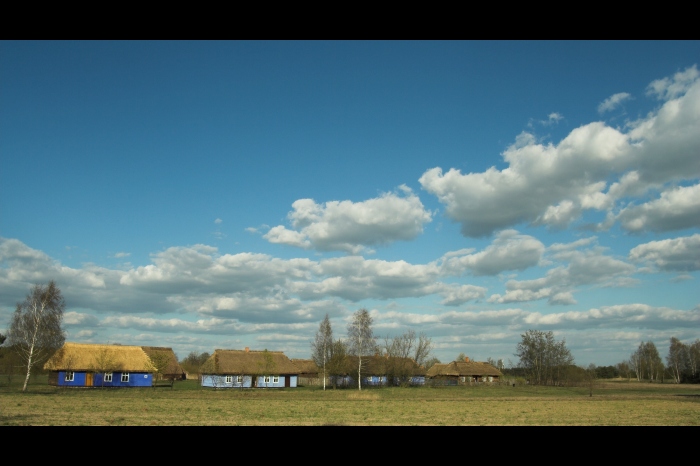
point(249, 369)
point(96, 365)
point(463, 373)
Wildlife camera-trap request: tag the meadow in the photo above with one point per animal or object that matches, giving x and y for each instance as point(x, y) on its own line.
point(614, 403)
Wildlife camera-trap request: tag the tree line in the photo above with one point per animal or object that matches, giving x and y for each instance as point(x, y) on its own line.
point(331, 355)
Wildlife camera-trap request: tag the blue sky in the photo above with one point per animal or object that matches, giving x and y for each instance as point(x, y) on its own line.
point(204, 195)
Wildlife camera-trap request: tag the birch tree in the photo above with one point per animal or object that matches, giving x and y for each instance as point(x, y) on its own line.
point(361, 339)
point(322, 346)
point(35, 332)
point(677, 358)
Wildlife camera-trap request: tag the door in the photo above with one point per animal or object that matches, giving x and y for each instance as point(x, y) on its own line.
point(88, 379)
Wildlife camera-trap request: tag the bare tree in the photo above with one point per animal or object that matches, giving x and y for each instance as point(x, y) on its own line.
point(35, 332)
point(338, 362)
point(694, 358)
point(321, 347)
point(677, 358)
point(361, 339)
point(543, 357)
point(403, 349)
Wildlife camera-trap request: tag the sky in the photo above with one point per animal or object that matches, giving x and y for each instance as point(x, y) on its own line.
point(202, 195)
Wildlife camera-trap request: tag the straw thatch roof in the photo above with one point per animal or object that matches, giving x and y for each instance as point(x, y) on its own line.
point(246, 362)
point(99, 358)
point(167, 355)
point(463, 369)
point(307, 366)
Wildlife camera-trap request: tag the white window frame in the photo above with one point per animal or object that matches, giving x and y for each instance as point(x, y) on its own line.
point(275, 379)
point(125, 377)
point(239, 379)
point(107, 377)
point(229, 379)
point(70, 376)
point(266, 379)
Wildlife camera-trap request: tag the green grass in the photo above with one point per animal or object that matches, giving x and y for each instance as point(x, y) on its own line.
point(612, 403)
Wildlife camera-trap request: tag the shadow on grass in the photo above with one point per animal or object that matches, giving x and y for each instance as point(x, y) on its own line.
point(17, 420)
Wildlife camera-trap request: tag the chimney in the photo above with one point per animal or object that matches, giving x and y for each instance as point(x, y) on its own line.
point(247, 349)
point(466, 359)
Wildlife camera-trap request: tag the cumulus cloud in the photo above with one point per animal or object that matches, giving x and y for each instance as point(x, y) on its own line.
point(589, 267)
point(677, 254)
point(121, 255)
point(352, 226)
point(613, 102)
point(676, 209)
point(552, 184)
point(509, 251)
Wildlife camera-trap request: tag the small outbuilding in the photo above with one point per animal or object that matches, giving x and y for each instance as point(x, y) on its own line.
point(309, 373)
point(249, 369)
point(463, 373)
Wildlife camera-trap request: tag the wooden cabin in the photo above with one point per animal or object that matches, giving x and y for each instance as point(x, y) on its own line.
point(249, 369)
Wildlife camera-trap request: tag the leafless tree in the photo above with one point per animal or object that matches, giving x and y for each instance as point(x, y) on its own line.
point(321, 347)
point(543, 357)
point(35, 332)
point(694, 357)
point(361, 339)
point(337, 365)
point(677, 358)
point(403, 349)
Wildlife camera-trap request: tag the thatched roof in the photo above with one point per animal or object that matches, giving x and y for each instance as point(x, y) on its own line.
point(306, 366)
point(99, 358)
point(156, 353)
point(242, 362)
point(463, 369)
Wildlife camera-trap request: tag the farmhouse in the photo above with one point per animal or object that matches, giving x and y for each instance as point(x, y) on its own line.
point(92, 365)
point(249, 369)
point(463, 372)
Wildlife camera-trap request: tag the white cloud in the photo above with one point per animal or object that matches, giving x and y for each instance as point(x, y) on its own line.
point(553, 184)
point(677, 208)
point(353, 226)
point(678, 254)
point(613, 102)
point(585, 268)
point(509, 251)
point(121, 255)
point(218, 221)
point(671, 88)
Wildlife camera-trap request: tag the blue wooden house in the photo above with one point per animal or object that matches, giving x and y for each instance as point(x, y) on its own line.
point(94, 365)
point(249, 369)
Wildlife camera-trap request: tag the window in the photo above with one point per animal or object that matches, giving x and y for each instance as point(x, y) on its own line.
point(239, 379)
point(229, 379)
point(108, 377)
point(125, 377)
point(463, 379)
point(70, 376)
point(267, 379)
point(275, 379)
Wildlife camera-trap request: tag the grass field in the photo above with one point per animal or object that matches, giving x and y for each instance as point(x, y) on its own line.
point(616, 403)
